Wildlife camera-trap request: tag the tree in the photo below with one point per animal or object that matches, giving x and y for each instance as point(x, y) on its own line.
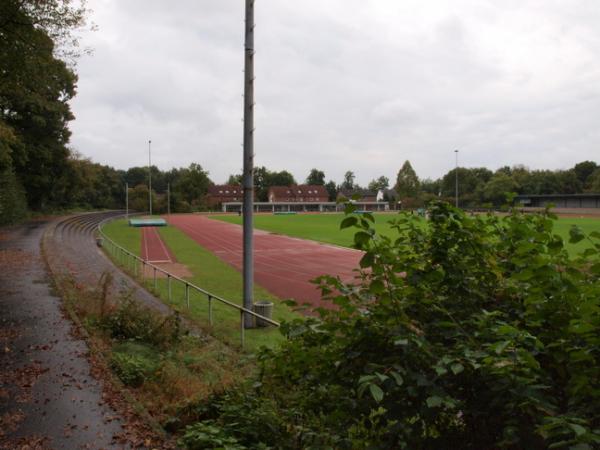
point(379, 184)
point(594, 181)
point(283, 178)
point(192, 185)
point(332, 190)
point(471, 182)
point(234, 179)
point(407, 182)
point(35, 90)
point(348, 183)
point(316, 177)
point(583, 170)
point(569, 182)
point(497, 187)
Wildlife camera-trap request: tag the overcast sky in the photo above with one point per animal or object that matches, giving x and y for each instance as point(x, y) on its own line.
point(357, 85)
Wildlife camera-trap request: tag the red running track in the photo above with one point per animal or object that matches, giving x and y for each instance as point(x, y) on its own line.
point(153, 248)
point(282, 264)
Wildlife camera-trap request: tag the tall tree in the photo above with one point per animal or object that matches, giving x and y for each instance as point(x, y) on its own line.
point(316, 177)
point(35, 88)
point(379, 184)
point(234, 179)
point(583, 170)
point(193, 184)
point(497, 187)
point(283, 178)
point(332, 190)
point(348, 183)
point(407, 182)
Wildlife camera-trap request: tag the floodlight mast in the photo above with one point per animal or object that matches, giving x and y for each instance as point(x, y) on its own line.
point(248, 176)
point(456, 179)
point(149, 177)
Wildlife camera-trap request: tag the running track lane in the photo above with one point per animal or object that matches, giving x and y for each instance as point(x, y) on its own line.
point(153, 248)
point(282, 264)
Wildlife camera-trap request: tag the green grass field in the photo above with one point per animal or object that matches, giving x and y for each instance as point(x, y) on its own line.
point(326, 227)
point(211, 274)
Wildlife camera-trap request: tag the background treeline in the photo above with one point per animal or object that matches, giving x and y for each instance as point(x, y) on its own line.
point(481, 187)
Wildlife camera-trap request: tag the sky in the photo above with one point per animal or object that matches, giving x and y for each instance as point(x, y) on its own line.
point(359, 85)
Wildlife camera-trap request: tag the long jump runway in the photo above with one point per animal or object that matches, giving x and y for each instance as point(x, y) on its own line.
point(282, 264)
point(153, 248)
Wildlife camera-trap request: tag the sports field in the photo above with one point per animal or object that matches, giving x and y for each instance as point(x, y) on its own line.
point(326, 227)
point(209, 272)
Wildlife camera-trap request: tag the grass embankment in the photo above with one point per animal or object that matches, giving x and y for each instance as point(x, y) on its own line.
point(149, 361)
point(326, 227)
point(211, 274)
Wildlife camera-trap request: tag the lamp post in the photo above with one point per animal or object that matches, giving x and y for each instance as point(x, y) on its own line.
point(248, 176)
point(150, 177)
point(127, 201)
point(456, 179)
point(169, 199)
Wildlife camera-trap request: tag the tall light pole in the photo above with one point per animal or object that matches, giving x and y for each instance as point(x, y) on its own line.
point(456, 179)
point(248, 176)
point(169, 199)
point(127, 201)
point(150, 177)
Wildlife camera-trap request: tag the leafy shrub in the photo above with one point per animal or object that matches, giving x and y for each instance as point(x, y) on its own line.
point(132, 321)
point(206, 436)
point(472, 332)
point(132, 369)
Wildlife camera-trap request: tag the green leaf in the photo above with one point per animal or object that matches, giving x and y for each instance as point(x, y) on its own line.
point(361, 238)
point(376, 392)
point(348, 222)
point(457, 368)
point(377, 287)
point(397, 377)
point(367, 260)
point(575, 234)
point(369, 216)
point(434, 401)
point(382, 377)
point(578, 429)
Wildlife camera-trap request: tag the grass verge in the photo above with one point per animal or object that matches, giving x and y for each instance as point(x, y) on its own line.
point(163, 373)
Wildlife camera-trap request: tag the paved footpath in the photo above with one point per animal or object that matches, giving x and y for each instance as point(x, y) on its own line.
point(48, 397)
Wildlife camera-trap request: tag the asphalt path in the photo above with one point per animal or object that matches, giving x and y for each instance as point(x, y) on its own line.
point(48, 396)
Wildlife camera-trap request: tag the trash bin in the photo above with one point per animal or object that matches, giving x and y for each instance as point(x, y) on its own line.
point(265, 309)
point(99, 241)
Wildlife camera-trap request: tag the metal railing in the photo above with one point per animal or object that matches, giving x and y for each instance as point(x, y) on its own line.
point(137, 266)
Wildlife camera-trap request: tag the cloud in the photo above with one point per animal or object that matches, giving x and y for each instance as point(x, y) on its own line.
point(343, 85)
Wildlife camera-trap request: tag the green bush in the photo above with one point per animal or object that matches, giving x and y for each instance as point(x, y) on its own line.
point(473, 333)
point(132, 369)
point(132, 321)
point(206, 436)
